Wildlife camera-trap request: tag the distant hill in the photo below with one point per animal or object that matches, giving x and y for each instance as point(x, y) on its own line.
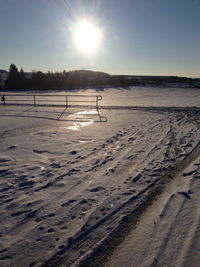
point(3, 71)
point(162, 81)
point(90, 73)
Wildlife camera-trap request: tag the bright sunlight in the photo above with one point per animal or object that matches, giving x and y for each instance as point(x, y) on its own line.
point(87, 37)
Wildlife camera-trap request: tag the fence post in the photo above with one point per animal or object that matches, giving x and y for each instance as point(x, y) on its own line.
point(34, 100)
point(3, 99)
point(97, 104)
point(66, 102)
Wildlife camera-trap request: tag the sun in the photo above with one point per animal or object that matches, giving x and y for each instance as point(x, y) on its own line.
point(87, 37)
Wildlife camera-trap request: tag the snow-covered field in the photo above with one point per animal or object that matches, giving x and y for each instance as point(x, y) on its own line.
point(138, 96)
point(65, 185)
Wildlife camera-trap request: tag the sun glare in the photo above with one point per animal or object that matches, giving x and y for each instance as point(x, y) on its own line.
point(87, 37)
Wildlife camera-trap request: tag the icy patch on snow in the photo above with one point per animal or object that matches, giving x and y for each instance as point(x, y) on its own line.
point(81, 116)
point(85, 140)
point(87, 112)
point(77, 125)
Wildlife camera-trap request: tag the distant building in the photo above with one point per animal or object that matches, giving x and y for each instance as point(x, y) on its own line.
point(3, 77)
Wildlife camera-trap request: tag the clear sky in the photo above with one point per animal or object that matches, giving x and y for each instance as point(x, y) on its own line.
point(147, 37)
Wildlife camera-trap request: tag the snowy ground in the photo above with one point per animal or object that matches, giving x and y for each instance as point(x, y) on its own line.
point(65, 185)
point(170, 227)
point(138, 96)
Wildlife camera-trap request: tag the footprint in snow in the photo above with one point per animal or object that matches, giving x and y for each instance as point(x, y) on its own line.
point(5, 258)
point(4, 189)
point(44, 186)
point(4, 172)
point(30, 215)
point(97, 189)
point(83, 201)
point(186, 194)
point(71, 201)
point(3, 250)
point(39, 219)
point(73, 152)
point(26, 184)
point(2, 160)
point(189, 173)
point(8, 200)
point(13, 147)
point(51, 230)
point(55, 165)
point(39, 151)
point(20, 212)
point(61, 247)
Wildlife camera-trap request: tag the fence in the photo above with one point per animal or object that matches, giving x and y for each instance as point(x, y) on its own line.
point(51, 100)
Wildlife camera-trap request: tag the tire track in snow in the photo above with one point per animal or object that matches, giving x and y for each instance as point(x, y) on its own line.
point(98, 256)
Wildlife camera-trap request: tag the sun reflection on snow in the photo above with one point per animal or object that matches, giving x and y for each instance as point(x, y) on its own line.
point(77, 125)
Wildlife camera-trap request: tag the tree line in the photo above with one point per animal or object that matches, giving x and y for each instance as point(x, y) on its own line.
point(18, 80)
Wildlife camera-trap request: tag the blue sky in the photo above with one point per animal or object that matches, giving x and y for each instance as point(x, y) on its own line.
point(147, 37)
